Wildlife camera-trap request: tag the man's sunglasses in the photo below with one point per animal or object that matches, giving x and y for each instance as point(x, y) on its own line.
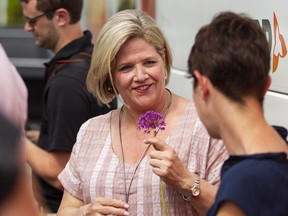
point(32, 21)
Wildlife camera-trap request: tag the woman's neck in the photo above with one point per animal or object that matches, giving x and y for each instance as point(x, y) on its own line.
point(130, 114)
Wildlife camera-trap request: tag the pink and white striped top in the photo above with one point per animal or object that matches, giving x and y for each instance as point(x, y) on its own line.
point(94, 170)
point(14, 95)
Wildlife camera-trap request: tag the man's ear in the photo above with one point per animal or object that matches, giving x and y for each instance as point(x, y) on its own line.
point(62, 16)
point(202, 83)
point(268, 83)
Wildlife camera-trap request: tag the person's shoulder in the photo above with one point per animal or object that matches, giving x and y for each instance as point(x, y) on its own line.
point(70, 76)
point(183, 102)
point(251, 180)
point(75, 70)
point(103, 117)
point(98, 121)
point(240, 166)
point(97, 126)
point(255, 170)
point(181, 98)
point(76, 67)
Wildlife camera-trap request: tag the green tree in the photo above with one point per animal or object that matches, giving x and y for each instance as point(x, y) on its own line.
point(15, 17)
point(126, 4)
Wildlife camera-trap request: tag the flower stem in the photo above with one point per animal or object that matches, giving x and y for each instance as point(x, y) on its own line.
point(163, 198)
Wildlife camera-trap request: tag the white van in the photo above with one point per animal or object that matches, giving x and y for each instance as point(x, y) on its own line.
point(181, 20)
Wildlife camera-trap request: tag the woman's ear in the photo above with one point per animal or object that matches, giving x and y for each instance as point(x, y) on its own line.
point(202, 83)
point(164, 61)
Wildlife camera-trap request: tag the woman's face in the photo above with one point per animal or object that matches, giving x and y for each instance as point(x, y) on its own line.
point(139, 75)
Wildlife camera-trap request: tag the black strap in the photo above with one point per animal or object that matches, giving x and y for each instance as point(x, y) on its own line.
point(81, 59)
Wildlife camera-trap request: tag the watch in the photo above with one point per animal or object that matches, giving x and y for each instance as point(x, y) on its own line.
point(195, 190)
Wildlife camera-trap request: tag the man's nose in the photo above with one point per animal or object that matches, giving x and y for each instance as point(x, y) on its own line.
point(28, 27)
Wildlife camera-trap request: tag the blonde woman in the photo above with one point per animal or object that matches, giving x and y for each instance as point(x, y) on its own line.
point(116, 169)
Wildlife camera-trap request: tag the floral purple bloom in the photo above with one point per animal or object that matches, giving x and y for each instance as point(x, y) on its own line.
point(151, 121)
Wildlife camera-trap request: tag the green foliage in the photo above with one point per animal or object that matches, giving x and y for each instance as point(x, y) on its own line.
point(126, 4)
point(15, 16)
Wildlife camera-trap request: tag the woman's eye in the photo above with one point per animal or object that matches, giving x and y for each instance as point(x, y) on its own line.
point(150, 63)
point(124, 68)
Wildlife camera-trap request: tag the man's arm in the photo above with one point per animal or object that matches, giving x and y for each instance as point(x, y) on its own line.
point(229, 208)
point(47, 165)
point(33, 135)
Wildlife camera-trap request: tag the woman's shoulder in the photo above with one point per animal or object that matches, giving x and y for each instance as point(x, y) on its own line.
point(96, 128)
point(97, 122)
point(183, 114)
point(182, 101)
point(103, 117)
point(185, 106)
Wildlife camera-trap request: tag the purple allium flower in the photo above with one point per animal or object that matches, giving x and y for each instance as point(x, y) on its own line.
point(151, 121)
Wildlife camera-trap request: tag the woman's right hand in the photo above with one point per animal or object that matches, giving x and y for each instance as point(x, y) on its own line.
point(105, 206)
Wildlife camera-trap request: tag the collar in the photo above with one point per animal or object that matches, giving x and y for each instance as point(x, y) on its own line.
point(79, 45)
point(234, 159)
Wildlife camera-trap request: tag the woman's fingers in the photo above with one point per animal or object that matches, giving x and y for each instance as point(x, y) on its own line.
point(107, 206)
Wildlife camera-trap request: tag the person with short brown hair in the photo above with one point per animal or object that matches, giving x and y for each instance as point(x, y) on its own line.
point(230, 64)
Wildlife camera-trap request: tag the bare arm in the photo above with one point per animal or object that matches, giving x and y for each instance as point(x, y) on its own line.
point(33, 135)
point(69, 205)
point(47, 165)
point(166, 164)
point(204, 201)
point(229, 208)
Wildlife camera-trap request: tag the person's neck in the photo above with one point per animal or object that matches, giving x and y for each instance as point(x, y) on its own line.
point(67, 35)
point(245, 131)
point(132, 115)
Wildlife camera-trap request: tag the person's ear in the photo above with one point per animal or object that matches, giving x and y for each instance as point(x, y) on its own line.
point(164, 61)
point(166, 74)
point(202, 83)
point(62, 16)
point(268, 83)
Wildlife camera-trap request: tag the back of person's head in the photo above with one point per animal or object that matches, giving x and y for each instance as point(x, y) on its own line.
point(74, 8)
point(121, 27)
point(233, 52)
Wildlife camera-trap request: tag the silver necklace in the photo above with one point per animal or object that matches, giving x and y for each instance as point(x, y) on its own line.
point(144, 153)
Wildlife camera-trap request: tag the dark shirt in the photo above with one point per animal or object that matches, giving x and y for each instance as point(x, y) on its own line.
point(258, 184)
point(67, 105)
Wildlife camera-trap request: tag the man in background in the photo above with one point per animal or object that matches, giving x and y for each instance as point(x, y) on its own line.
point(55, 25)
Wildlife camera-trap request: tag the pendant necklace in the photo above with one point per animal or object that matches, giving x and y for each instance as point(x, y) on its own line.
point(144, 153)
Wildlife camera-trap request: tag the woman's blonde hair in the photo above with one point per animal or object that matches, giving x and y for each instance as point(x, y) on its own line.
point(121, 27)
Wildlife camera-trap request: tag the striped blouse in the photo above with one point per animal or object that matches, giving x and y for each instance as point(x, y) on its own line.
point(95, 171)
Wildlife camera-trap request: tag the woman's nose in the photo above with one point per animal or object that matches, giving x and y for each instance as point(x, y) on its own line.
point(140, 73)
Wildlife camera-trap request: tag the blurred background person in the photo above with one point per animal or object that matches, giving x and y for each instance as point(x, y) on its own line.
point(16, 196)
point(55, 25)
point(14, 94)
point(15, 189)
